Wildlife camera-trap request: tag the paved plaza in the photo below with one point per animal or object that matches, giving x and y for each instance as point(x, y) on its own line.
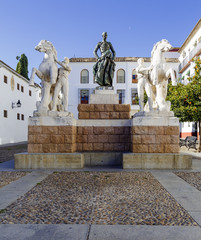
point(100, 203)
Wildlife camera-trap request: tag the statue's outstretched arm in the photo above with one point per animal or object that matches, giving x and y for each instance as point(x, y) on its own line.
point(65, 66)
point(96, 50)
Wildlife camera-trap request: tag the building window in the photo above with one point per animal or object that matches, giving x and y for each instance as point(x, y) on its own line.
point(22, 117)
point(29, 92)
point(18, 116)
point(5, 113)
point(22, 89)
point(188, 73)
point(18, 86)
point(84, 96)
point(120, 76)
point(84, 76)
point(121, 93)
point(5, 79)
point(134, 76)
point(133, 96)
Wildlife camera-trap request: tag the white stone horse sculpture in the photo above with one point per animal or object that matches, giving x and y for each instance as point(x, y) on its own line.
point(159, 75)
point(47, 72)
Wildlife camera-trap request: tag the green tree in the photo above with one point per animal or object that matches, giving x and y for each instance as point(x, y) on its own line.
point(22, 66)
point(186, 99)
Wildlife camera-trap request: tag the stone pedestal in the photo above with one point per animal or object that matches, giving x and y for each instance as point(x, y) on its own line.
point(51, 143)
point(156, 161)
point(155, 143)
point(104, 96)
point(104, 111)
point(104, 134)
point(49, 160)
point(52, 134)
point(158, 133)
point(103, 128)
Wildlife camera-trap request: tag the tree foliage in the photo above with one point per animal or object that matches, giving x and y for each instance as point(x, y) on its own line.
point(22, 66)
point(186, 99)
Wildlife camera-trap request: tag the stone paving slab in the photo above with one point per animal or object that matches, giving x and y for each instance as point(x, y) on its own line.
point(11, 192)
point(189, 198)
point(43, 232)
point(196, 164)
point(196, 216)
point(120, 232)
point(96, 232)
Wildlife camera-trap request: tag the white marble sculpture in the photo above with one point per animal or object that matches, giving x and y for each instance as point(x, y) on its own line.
point(144, 84)
point(62, 83)
point(52, 81)
point(158, 73)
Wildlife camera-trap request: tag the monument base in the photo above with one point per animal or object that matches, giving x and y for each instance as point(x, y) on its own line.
point(93, 159)
point(158, 133)
point(49, 160)
point(49, 134)
point(104, 96)
point(156, 161)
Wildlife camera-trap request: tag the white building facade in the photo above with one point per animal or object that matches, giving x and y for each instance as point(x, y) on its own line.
point(81, 80)
point(15, 91)
point(190, 49)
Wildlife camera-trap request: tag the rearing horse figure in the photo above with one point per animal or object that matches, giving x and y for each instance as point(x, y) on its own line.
point(47, 72)
point(160, 73)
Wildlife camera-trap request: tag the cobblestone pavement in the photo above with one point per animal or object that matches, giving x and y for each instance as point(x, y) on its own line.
point(8, 177)
point(129, 198)
point(193, 178)
point(7, 152)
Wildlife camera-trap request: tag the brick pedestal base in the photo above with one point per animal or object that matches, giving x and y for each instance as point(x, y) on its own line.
point(155, 134)
point(51, 139)
point(155, 139)
point(104, 111)
point(103, 128)
point(103, 139)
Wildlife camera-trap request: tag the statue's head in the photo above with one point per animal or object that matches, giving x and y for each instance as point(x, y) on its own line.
point(104, 35)
point(46, 46)
point(162, 46)
point(66, 60)
point(140, 61)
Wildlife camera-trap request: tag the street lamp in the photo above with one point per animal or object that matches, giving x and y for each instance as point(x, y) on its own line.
point(17, 104)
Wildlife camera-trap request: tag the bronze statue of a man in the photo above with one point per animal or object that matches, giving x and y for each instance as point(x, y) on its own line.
point(105, 66)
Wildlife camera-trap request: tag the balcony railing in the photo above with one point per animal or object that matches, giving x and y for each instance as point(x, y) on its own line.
point(190, 56)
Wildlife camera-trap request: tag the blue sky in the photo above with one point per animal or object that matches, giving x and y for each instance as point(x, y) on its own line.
point(75, 26)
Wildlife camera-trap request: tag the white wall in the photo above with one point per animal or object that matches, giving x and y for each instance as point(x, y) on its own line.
point(190, 50)
point(190, 46)
point(11, 129)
